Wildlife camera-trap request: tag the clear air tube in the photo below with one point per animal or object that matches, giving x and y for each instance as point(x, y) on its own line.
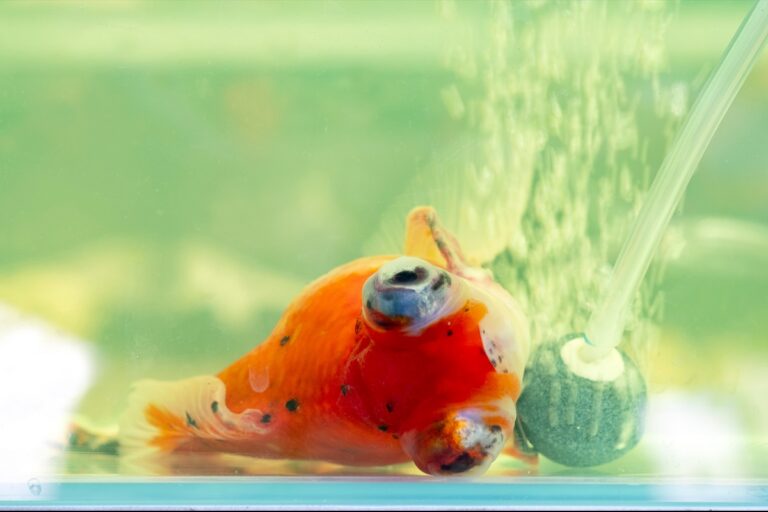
point(605, 327)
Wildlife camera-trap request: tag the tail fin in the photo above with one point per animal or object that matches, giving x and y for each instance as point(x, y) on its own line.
point(164, 417)
point(83, 437)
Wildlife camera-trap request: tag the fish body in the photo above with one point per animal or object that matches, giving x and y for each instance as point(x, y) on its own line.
point(383, 360)
point(297, 378)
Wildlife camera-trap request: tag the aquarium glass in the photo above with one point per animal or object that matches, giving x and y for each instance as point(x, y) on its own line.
point(173, 174)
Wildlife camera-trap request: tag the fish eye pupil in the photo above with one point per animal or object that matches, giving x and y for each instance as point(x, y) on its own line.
point(406, 276)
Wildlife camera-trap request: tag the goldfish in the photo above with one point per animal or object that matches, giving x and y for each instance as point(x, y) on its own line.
point(384, 360)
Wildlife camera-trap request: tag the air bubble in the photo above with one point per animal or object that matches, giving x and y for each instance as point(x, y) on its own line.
point(34, 486)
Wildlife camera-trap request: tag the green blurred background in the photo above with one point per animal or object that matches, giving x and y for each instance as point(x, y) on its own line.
point(172, 173)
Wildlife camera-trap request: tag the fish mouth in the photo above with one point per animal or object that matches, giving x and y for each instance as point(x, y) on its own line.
point(386, 322)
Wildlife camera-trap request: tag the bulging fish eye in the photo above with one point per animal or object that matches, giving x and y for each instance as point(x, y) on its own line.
point(407, 294)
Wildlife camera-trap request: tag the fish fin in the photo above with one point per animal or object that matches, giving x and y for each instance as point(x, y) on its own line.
point(426, 238)
point(514, 451)
point(86, 438)
point(420, 240)
point(185, 415)
point(520, 448)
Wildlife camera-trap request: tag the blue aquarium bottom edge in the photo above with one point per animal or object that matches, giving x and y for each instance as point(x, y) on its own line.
point(390, 493)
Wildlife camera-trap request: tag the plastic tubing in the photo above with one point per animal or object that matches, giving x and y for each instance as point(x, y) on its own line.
point(606, 325)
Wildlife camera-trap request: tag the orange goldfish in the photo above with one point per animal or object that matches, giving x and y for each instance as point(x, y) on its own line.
point(384, 360)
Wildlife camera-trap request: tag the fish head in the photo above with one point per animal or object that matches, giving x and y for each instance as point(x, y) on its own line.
point(460, 340)
point(408, 295)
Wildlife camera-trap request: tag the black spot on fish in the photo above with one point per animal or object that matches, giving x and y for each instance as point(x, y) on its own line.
point(191, 421)
point(292, 404)
point(495, 437)
point(284, 340)
point(395, 436)
point(383, 428)
point(369, 304)
point(466, 310)
point(406, 276)
point(215, 406)
point(390, 407)
point(358, 326)
point(493, 362)
point(450, 332)
point(266, 418)
point(462, 463)
point(441, 281)
point(344, 389)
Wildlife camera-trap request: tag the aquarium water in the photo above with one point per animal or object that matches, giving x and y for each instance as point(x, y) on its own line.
point(170, 178)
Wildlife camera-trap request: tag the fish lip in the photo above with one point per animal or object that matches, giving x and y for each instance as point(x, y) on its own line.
point(386, 322)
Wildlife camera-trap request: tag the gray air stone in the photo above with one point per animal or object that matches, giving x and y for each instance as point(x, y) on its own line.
point(576, 421)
